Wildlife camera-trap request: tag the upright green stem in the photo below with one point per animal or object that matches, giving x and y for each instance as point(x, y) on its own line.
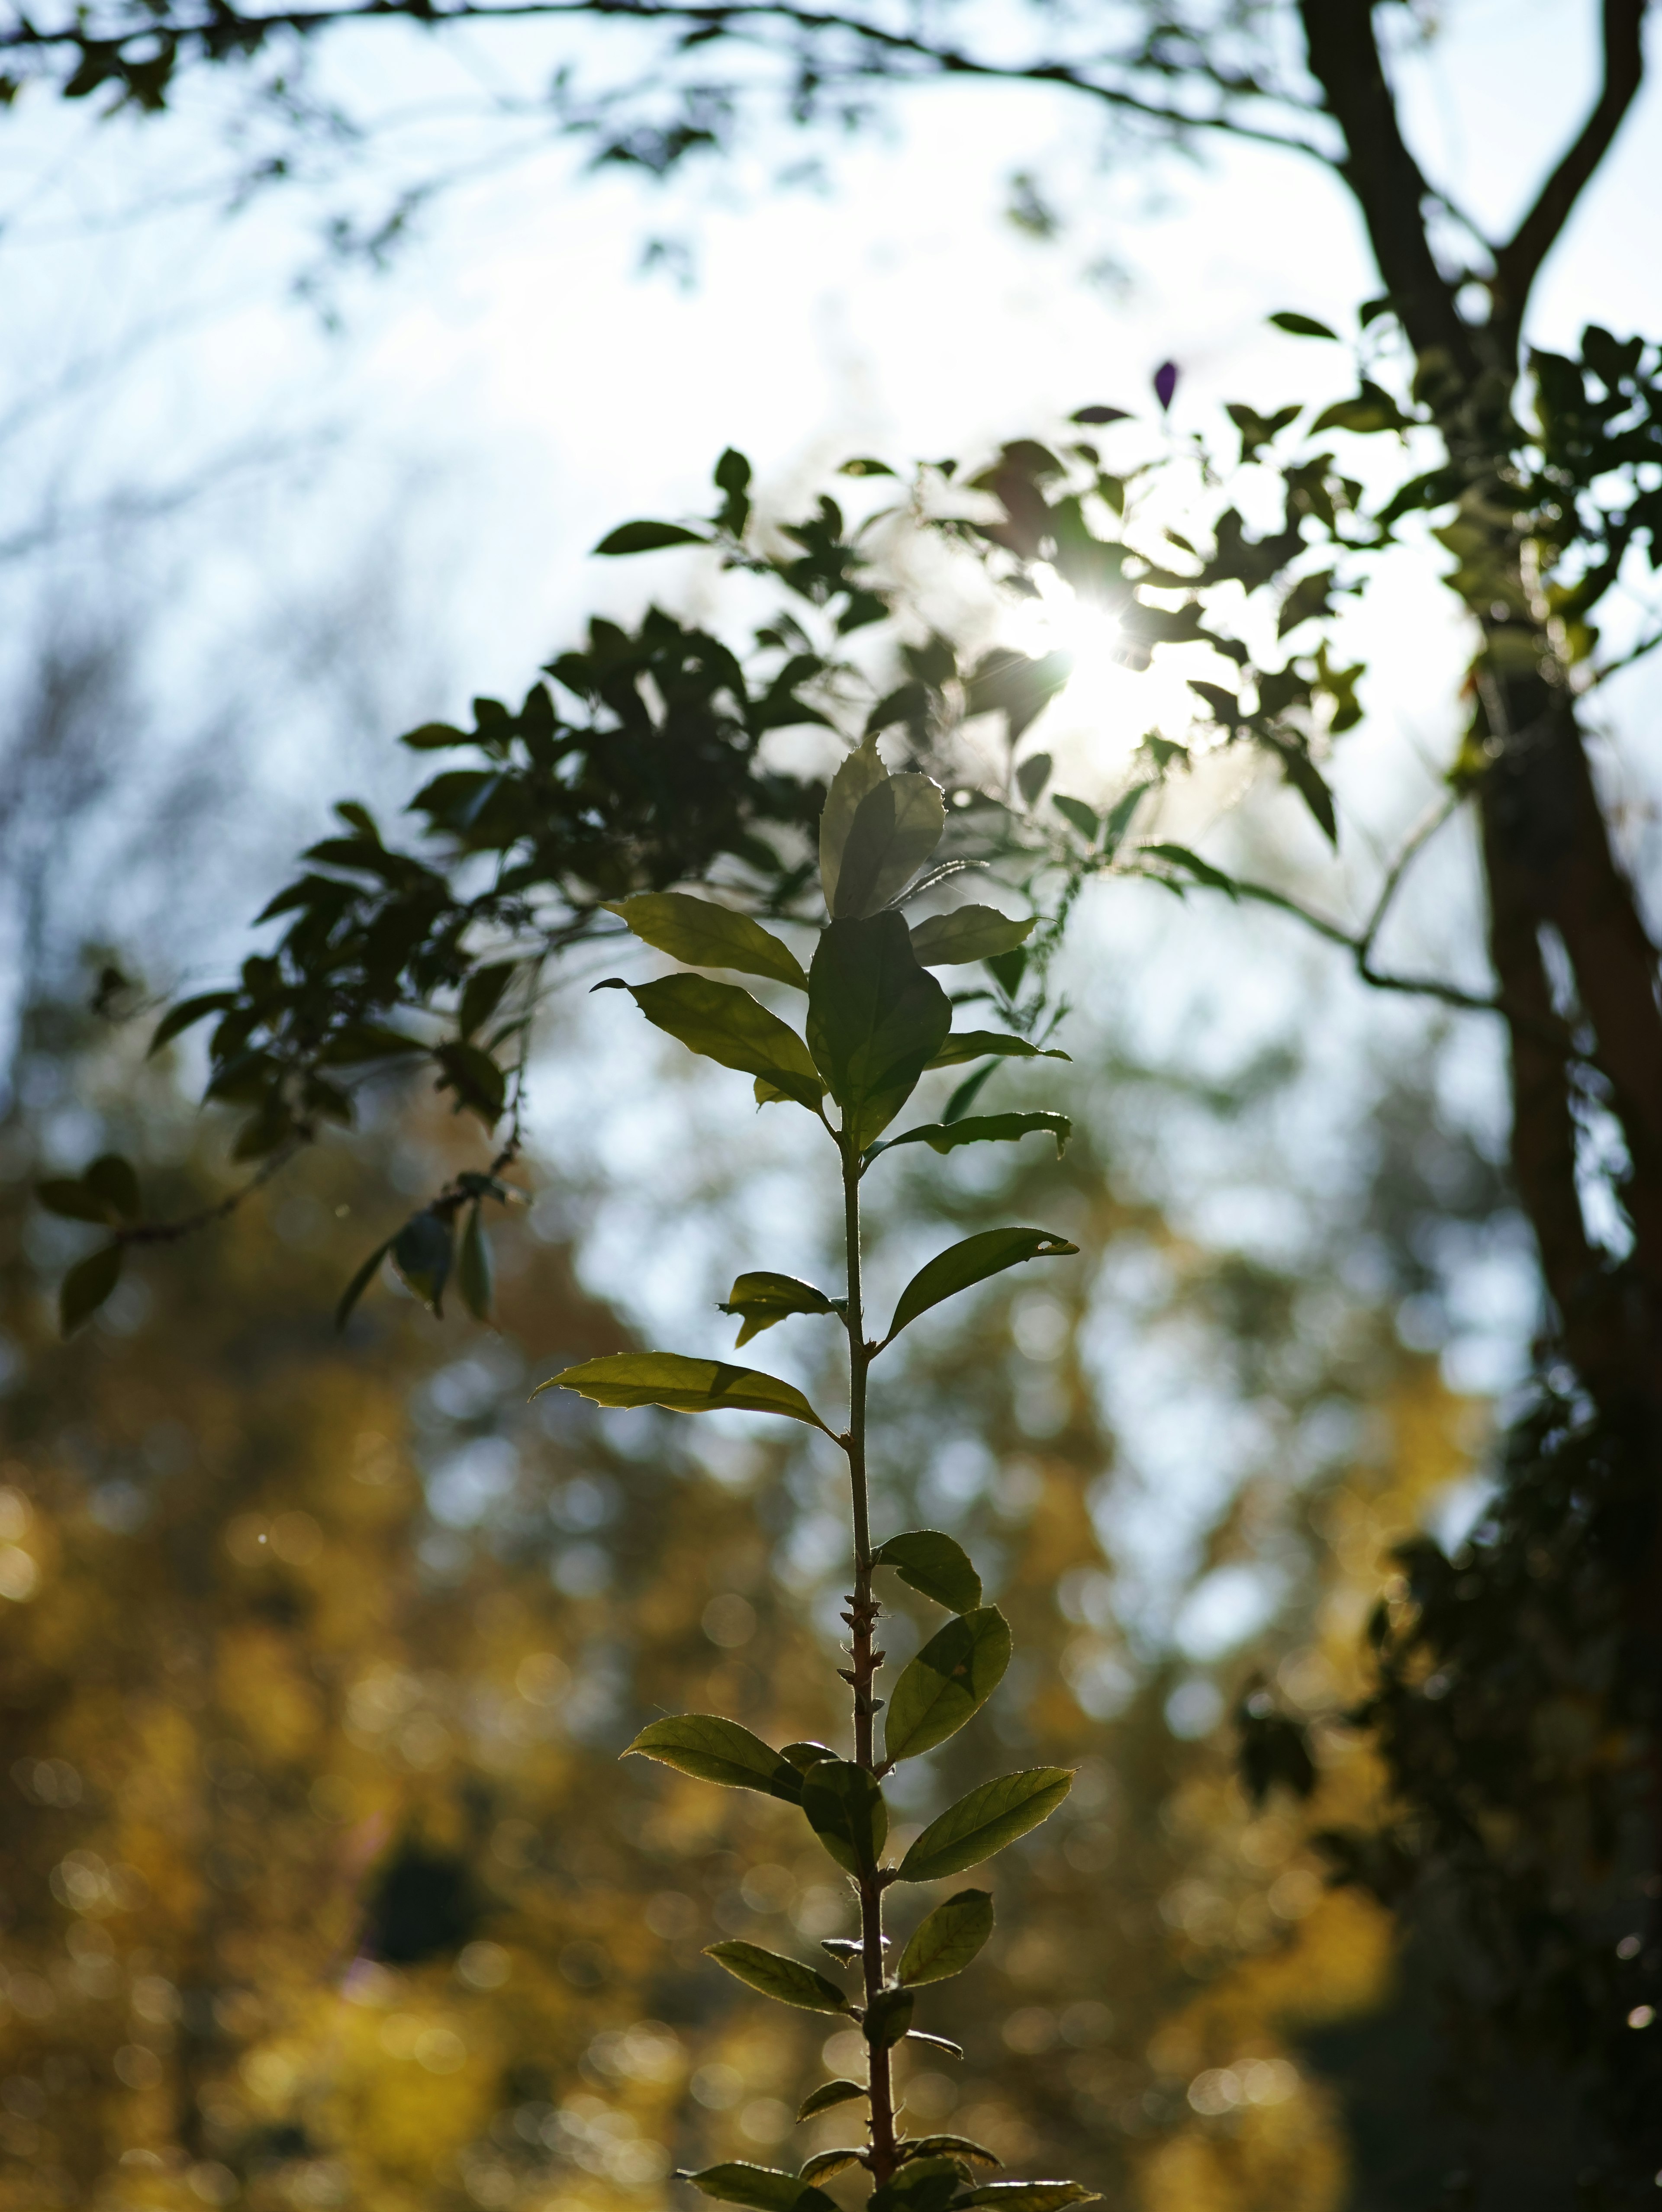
point(862, 1618)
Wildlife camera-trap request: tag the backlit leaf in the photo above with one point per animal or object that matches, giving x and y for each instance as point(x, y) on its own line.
point(924, 2184)
point(979, 1044)
point(762, 1299)
point(1301, 327)
point(682, 1385)
point(934, 1565)
point(863, 771)
point(1029, 2196)
point(985, 1821)
point(828, 2162)
point(845, 1810)
point(706, 935)
point(647, 537)
point(188, 1011)
point(726, 1024)
point(785, 1979)
point(946, 1943)
point(828, 2094)
point(969, 932)
point(896, 827)
point(964, 2147)
point(86, 1285)
point(1079, 817)
point(762, 2188)
point(972, 1261)
point(947, 1682)
point(981, 1129)
point(713, 1749)
point(875, 1020)
point(888, 2017)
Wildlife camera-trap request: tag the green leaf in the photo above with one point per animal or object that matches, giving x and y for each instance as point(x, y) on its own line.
point(1301, 327)
point(888, 2017)
point(1032, 776)
point(763, 2188)
point(875, 1018)
point(185, 1014)
point(433, 736)
point(981, 1129)
point(896, 827)
point(950, 2147)
point(763, 1299)
point(947, 1682)
point(359, 1283)
point(1308, 779)
point(1373, 409)
point(712, 1749)
point(682, 1385)
point(475, 1276)
point(829, 2094)
point(924, 2184)
point(706, 935)
point(828, 2162)
point(647, 538)
point(422, 1253)
point(945, 1943)
point(1079, 817)
point(969, 932)
point(86, 1285)
point(1179, 856)
point(934, 1565)
point(478, 1082)
point(864, 466)
point(483, 994)
point(72, 1199)
point(845, 1810)
point(786, 1980)
point(863, 771)
point(936, 2042)
point(985, 1821)
point(1029, 2196)
point(972, 1261)
point(726, 1024)
point(805, 1755)
point(979, 1044)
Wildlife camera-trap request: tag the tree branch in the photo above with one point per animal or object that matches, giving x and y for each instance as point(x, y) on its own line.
point(1517, 265)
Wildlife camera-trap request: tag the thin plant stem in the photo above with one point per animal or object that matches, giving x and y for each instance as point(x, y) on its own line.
point(862, 1618)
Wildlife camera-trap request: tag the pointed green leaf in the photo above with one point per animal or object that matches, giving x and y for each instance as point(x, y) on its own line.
point(359, 1283)
point(946, 1943)
point(980, 1129)
point(934, 1565)
point(979, 1044)
point(422, 1253)
point(936, 2042)
point(973, 1262)
point(888, 2017)
point(682, 1385)
point(475, 1276)
point(706, 935)
point(647, 538)
point(845, 1810)
point(924, 2184)
point(187, 1014)
point(1301, 327)
point(828, 2094)
point(969, 932)
point(964, 2147)
point(828, 2162)
point(70, 1198)
point(947, 1683)
point(786, 1980)
point(876, 1019)
point(805, 1755)
point(896, 827)
point(712, 1749)
point(1029, 2196)
point(985, 1821)
point(1179, 856)
point(726, 1024)
point(114, 1182)
point(762, 2188)
point(483, 994)
point(863, 771)
point(86, 1285)
point(762, 1299)
point(1079, 817)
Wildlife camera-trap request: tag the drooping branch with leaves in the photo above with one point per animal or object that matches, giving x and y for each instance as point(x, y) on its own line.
point(877, 1021)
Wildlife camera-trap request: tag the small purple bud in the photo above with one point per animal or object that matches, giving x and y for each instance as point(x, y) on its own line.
point(1165, 383)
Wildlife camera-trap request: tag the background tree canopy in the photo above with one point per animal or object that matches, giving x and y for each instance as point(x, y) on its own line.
point(1497, 1794)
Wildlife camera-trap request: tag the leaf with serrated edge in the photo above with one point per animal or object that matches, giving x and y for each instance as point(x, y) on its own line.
point(985, 1821)
point(947, 1683)
point(969, 932)
point(762, 1299)
point(762, 2188)
point(787, 1980)
point(727, 1025)
point(860, 773)
point(896, 827)
point(935, 1565)
point(828, 2162)
point(705, 935)
point(682, 1386)
point(950, 2147)
point(713, 1749)
point(1029, 2196)
point(973, 1261)
point(981, 1044)
point(944, 1944)
point(980, 1129)
point(828, 2093)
